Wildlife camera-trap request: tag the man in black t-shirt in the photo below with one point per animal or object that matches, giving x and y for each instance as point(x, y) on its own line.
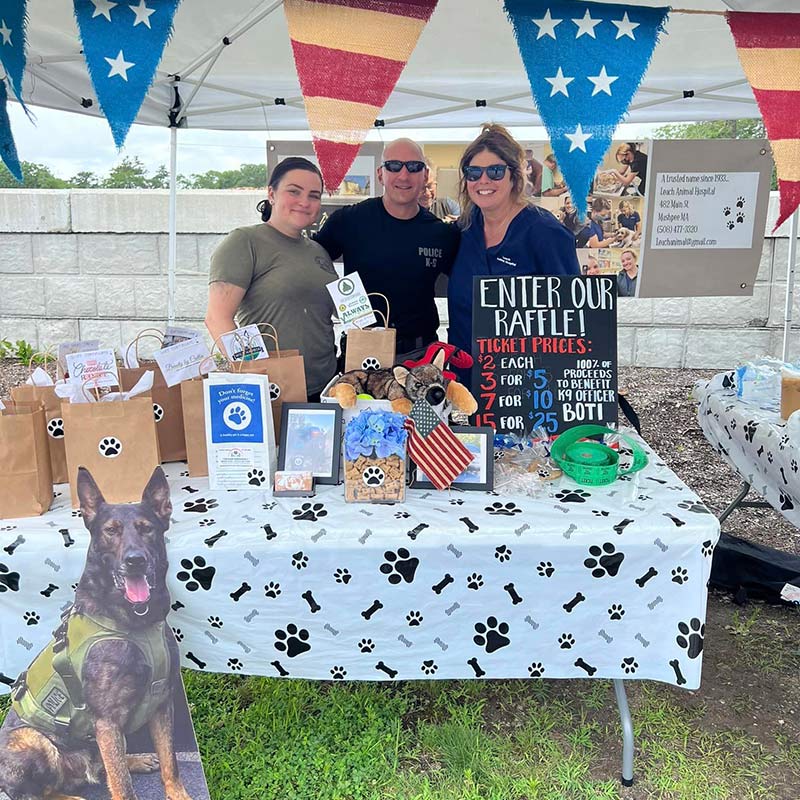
point(398, 248)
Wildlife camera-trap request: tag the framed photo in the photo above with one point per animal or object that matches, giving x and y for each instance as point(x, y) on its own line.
point(479, 475)
point(310, 439)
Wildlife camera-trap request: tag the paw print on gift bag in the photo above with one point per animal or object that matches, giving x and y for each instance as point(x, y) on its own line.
point(55, 428)
point(109, 447)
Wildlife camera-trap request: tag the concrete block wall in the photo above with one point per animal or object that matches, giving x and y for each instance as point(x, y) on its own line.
point(92, 264)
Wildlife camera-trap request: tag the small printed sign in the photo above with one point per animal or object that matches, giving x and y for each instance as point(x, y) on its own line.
point(173, 335)
point(352, 303)
point(704, 210)
point(245, 344)
point(65, 348)
point(183, 361)
point(95, 367)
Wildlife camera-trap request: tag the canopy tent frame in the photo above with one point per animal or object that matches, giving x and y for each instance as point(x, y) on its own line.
point(176, 113)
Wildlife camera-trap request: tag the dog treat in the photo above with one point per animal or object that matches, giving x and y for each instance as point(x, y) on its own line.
point(375, 480)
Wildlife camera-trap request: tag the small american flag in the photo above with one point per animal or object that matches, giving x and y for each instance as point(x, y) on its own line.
point(436, 450)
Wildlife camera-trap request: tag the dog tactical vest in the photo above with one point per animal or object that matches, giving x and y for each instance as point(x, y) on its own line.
point(49, 696)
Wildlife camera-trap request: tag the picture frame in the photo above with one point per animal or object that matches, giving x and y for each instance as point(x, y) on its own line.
point(311, 436)
point(479, 476)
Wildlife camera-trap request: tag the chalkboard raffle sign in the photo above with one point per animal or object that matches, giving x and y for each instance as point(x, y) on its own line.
point(545, 350)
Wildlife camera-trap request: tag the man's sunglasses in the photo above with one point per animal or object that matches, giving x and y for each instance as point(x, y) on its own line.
point(495, 172)
point(393, 165)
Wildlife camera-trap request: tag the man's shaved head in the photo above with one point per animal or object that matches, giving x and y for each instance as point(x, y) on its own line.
point(391, 147)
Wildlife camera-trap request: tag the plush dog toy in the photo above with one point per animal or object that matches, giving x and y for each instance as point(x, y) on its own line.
point(403, 386)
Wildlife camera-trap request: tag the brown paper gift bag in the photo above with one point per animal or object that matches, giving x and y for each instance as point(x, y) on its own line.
point(287, 376)
point(194, 420)
point(26, 484)
point(116, 441)
point(46, 395)
point(371, 348)
point(167, 405)
point(194, 425)
point(167, 410)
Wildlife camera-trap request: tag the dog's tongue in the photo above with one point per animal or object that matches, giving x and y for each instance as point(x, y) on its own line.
point(136, 589)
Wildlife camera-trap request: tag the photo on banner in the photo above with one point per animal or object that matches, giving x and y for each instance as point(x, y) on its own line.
point(609, 241)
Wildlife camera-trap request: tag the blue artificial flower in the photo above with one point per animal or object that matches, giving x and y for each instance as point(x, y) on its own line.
point(378, 432)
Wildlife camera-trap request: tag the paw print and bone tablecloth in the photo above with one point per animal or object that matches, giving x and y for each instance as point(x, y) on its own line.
point(581, 582)
point(753, 441)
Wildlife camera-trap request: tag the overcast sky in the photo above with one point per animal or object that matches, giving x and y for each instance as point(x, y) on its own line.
point(69, 143)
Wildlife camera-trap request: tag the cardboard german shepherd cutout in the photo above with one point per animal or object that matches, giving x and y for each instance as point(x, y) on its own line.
point(110, 672)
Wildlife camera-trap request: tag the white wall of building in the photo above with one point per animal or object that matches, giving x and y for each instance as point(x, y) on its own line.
point(88, 264)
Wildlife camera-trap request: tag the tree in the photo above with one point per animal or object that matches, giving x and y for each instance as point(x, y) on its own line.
point(130, 173)
point(160, 179)
point(718, 129)
point(248, 176)
point(84, 180)
point(34, 176)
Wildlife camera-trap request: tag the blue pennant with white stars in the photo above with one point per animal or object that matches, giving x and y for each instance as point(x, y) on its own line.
point(584, 63)
point(13, 20)
point(8, 151)
point(122, 44)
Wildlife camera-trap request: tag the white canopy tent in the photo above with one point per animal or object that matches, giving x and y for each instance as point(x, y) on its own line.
point(229, 66)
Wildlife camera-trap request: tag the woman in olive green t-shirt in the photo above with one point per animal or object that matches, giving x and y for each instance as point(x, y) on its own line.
point(271, 273)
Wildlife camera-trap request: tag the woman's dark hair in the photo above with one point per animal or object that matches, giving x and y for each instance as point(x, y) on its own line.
point(287, 165)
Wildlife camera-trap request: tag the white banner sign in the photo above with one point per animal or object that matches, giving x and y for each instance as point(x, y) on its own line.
point(245, 344)
point(98, 367)
point(183, 361)
point(352, 304)
point(704, 210)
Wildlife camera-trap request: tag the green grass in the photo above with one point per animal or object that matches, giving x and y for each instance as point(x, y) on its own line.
point(264, 738)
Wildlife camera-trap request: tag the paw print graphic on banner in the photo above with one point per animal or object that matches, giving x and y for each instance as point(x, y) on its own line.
point(399, 566)
point(604, 560)
point(292, 640)
point(195, 574)
point(690, 637)
point(491, 635)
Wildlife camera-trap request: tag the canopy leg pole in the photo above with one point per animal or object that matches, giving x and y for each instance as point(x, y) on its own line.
point(787, 317)
point(173, 223)
point(627, 732)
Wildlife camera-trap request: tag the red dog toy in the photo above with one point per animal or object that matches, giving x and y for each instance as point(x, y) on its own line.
point(452, 355)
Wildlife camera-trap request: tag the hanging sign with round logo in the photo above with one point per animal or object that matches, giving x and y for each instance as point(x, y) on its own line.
point(352, 303)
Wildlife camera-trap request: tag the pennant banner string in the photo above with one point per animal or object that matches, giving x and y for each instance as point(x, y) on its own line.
point(8, 150)
point(585, 62)
point(349, 55)
point(122, 44)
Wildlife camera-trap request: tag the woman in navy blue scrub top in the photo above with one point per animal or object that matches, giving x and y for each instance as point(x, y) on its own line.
point(502, 234)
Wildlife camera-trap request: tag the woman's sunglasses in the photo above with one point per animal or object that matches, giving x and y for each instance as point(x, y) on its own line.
point(495, 172)
point(396, 166)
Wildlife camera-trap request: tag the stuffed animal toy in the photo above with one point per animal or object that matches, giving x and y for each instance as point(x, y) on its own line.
point(404, 386)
